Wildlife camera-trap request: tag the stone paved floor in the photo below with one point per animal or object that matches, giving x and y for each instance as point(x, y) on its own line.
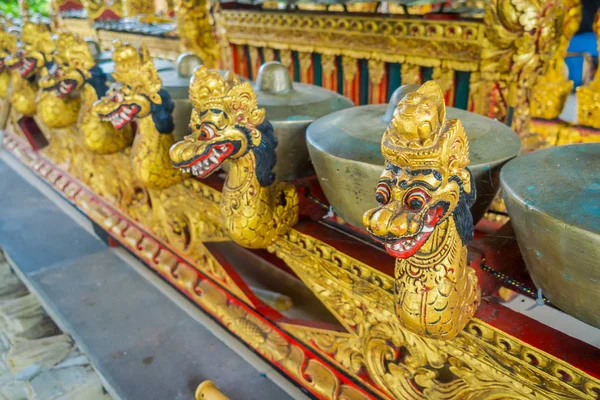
point(143, 345)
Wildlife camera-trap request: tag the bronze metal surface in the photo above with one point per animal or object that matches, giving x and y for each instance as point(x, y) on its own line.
point(160, 64)
point(345, 150)
point(291, 107)
point(553, 198)
point(176, 82)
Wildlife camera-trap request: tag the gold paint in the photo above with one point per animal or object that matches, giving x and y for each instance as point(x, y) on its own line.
point(436, 291)
point(505, 49)
point(328, 63)
point(22, 95)
point(160, 47)
point(147, 166)
point(37, 46)
point(78, 144)
point(520, 39)
point(557, 133)
point(350, 68)
point(55, 112)
point(99, 136)
point(209, 391)
point(572, 134)
point(588, 97)
point(58, 101)
point(552, 89)
point(255, 62)
point(196, 30)
point(272, 345)
point(140, 179)
point(269, 54)
point(329, 66)
point(8, 47)
point(481, 362)
point(410, 74)
point(445, 78)
point(122, 8)
point(425, 42)
point(376, 74)
point(305, 60)
point(306, 6)
point(285, 57)
point(254, 210)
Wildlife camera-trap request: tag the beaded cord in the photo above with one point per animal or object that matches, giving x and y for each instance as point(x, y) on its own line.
point(499, 275)
point(523, 288)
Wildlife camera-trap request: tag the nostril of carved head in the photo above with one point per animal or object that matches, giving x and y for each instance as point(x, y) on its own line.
point(398, 226)
point(380, 221)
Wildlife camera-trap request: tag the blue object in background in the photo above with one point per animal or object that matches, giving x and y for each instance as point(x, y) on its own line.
point(580, 43)
point(584, 43)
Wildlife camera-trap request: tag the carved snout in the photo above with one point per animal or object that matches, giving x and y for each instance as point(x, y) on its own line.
point(390, 220)
point(182, 151)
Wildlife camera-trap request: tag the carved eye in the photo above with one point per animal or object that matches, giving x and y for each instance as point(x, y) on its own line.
point(118, 97)
point(206, 132)
point(416, 199)
point(382, 195)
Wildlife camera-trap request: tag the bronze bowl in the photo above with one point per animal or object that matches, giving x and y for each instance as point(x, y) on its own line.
point(176, 82)
point(291, 107)
point(553, 199)
point(345, 149)
point(175, 79)
point(108, 66)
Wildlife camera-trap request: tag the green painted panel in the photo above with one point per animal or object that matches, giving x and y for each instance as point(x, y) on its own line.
point(363, 65)
point(461, 89)
point(296, 61)
point(394, 78)
point(426, 74)
point(248, 62)
point(318, 69)
point(340, 70)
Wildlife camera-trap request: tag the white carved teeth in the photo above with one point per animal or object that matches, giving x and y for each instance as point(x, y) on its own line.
point(214, 159)
point(427, 229)
point(123, 115)
point(116, 119)
point(25, 64)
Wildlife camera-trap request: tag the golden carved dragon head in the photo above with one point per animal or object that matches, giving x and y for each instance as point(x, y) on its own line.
point(8, 46)
point(73, 64)
point(137, 88)
point(37, 49)
point(426, 179)
point(226, 123)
